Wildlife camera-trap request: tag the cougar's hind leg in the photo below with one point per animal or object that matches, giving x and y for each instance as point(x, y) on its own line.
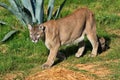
point(81, 49)
point(94, 41)
point(91, 34)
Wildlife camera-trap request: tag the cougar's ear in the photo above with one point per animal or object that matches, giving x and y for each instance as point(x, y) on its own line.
point(29, 27)
point(42, 27)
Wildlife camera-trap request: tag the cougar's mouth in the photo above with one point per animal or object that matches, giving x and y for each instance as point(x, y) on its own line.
point(35, 41)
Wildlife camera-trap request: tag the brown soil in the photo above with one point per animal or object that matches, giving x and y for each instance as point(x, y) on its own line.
point(3, 48)
point(116, 32)
point(13, 76)
point(94, 69)
point(58, 73)
point(62, 73)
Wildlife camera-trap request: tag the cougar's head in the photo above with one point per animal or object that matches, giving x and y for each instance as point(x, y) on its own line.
point(36, 32)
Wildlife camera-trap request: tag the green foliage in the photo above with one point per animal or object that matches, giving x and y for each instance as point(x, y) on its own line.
point(109, 20)
point(30, 11)
point(7, 36)
point(20, 54)
point(2, 23)
point(50, 9)
point(5, 63)
point(56, 14)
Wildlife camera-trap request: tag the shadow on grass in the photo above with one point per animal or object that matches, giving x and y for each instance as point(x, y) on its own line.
point(71, 50)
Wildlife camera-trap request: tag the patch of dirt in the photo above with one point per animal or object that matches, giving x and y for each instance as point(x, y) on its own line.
point(9, 77)
point(116, 32)
point(118, 14)
point(13, 76)
point(58, 73)
point(3, 48)
point(64, 73)
point(94, 69)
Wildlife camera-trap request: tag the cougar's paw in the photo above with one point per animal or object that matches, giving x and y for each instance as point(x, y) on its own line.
point(77, 55)
point(45, 66)
point(92, 55)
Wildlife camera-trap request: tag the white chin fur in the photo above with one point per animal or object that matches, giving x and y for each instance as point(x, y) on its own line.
point(35, 41)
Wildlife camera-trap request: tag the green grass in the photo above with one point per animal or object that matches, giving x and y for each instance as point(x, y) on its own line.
point(20, 54)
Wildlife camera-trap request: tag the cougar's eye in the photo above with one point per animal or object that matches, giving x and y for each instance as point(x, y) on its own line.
point(37, 35)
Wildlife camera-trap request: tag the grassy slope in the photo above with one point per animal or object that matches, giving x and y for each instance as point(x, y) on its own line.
point(20, 54)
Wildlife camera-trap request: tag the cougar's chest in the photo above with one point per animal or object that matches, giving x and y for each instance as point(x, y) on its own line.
point(47, 44)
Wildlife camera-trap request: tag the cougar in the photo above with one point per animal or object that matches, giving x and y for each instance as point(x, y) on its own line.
point(70, 29)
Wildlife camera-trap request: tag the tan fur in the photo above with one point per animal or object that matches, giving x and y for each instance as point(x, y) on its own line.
point(67, 30)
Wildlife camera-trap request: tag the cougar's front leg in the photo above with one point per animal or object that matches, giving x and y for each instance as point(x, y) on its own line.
point(51, 57)
point(81, 49)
